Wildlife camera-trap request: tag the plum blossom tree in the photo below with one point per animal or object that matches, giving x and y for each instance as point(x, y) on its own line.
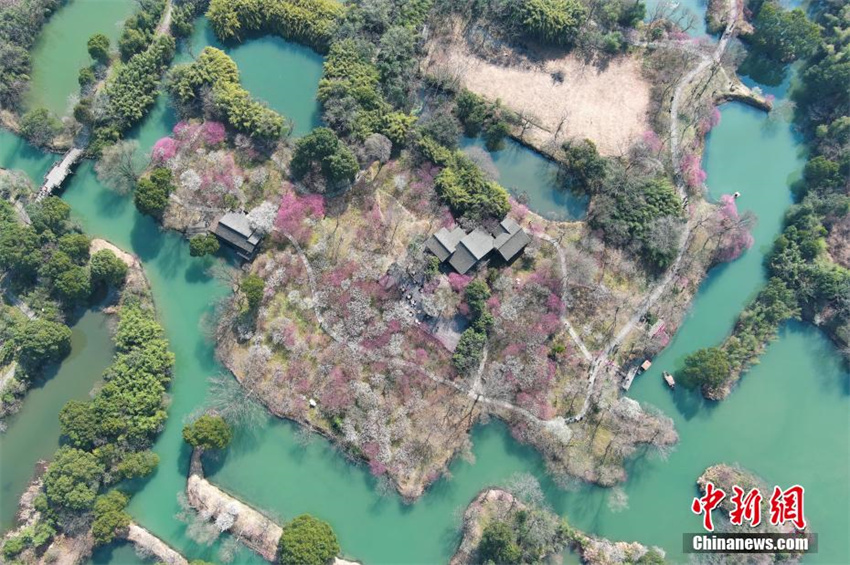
point(732, 229)
point(692, 170)
point(164, 150)
point(213, 132)
point(262, 217)
point(295, 210)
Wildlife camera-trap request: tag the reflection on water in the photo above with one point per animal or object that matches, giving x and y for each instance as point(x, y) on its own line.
point(531, 177)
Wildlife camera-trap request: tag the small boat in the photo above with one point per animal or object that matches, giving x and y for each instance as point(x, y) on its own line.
point(737, 195)
point(668, 378)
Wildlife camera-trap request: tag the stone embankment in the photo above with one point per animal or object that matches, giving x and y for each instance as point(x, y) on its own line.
point(249, 526)
point(164, 553)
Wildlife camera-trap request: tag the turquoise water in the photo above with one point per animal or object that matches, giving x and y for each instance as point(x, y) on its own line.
point(683, 10)
point(788, 420)
point(284, 75)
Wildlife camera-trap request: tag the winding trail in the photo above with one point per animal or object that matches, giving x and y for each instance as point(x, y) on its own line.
point(559, 425)
point(675, 154)
point(357, 348)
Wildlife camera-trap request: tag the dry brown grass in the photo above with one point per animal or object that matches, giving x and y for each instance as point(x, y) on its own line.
point(607, 104)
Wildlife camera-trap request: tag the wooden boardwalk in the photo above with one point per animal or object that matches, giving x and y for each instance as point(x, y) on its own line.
point(60, 171)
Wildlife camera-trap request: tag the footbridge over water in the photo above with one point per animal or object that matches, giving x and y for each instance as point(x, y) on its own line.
point(60, 171)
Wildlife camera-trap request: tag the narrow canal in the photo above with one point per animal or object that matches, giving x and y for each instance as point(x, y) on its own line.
point(788, 420)
point(33, 433)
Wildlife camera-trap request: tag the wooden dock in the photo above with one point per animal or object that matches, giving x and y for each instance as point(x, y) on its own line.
point(60, 171)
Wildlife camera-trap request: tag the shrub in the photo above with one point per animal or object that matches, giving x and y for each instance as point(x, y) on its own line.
point(42, 342)
point(86, 78)
point(215, 70)
point(556, 22)
point(629, 210)
point(322, 149)
point(79, 424)
point(151, 194)
point(310, 22)
point(107, 268)
point(470, 347)
point(708, 368)
point(133, 89)
point(138, 464)
point(208, 432)
point(784, 35)
point(14, 545)
point(582, 169)
point(139, 28)
point(203, 244)
point(40, 126)
point(464, 188)
point(307, 541)
point(497, 544)
point(252, 287)
point(73, 286)
point(98, 47)
point(109, 516)
point(72, 479)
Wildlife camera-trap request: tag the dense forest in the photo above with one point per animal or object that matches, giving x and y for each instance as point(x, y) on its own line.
point(20, 24)
point(47, 266)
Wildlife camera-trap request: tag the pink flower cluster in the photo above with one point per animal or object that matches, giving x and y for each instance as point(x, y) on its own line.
point(214, 133)
point(692, 170)
point(459, 282)
point(336, 396)
point(710, 122)
point(164, 150)
point(420, 192)
point(518, 211)
point(652, 141)
point(221, 172)
point(736, 238)
point(186, 135)
point(294, 210)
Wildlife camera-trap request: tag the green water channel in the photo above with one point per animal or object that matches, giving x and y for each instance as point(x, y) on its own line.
point(788, 420)
point(530, 176)
point(60, 51)
point(33, 433)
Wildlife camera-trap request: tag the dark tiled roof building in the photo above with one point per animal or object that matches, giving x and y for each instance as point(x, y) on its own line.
point(235, 230)
point(464, 251)
point(444, 242)
point(471, 249)
point(511, 240)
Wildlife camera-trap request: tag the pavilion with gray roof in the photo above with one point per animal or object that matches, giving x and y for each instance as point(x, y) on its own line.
point(511, 239)
point(464, 250)
point(444, 242)
point(235, 230)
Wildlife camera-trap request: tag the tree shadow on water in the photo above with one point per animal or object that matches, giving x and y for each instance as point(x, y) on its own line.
point(690, 403)
point(171, 260)
point(198, 271)
point(111, 204)
point(145, 238)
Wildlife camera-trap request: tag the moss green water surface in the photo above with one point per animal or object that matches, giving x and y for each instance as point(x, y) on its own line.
point(61, 51)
